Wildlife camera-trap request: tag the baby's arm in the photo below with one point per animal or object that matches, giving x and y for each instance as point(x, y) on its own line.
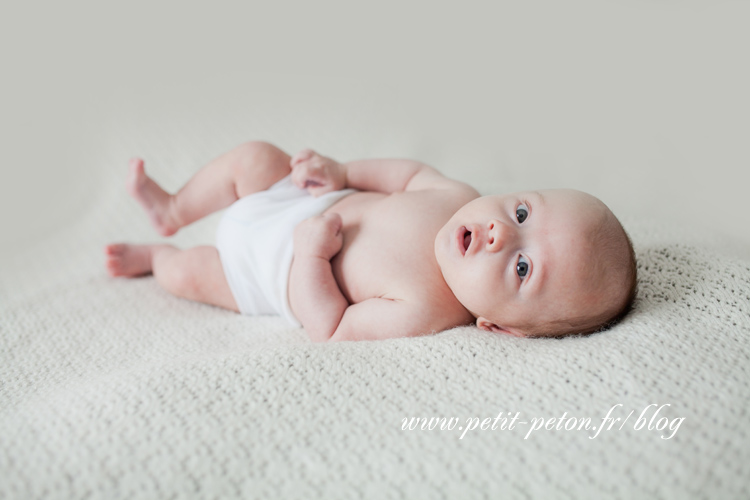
point(320, 175)
point(381, 318)
point(323, 310)
point(314, 295)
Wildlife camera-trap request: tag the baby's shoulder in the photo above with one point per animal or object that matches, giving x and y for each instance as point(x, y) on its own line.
point(451, 194)
point(439, 204)
point(448, 188)
point(462, 194)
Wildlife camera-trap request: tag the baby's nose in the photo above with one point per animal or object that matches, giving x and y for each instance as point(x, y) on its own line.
point(498, 235)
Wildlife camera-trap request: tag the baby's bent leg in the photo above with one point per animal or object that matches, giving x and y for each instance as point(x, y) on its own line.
point(194, 274)
point(246, 169)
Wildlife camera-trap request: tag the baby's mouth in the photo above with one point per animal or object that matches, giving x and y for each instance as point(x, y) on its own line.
point(466, 241)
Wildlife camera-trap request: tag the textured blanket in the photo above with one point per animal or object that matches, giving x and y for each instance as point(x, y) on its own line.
point(111, 388)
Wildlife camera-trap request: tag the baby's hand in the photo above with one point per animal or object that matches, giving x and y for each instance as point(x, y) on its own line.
point(319, 236)
point(316, 173)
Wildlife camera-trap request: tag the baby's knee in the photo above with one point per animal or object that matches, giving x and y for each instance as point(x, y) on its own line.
point(256, 153)
point(178, 276)
point(262, 161)
point(175, 280)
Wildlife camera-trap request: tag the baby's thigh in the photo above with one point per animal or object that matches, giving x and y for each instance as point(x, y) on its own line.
point(196, 274)
point(259, 165)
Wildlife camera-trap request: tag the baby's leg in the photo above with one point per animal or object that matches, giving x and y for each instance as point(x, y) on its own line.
point(194, 274)
point(246, 169)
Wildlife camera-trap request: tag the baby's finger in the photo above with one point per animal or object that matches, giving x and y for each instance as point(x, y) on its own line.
point(303, 155)
point(308, 177)
point(300, 175)
point(319, 189)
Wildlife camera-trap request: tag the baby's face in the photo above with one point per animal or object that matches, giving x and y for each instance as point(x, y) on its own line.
point(521, 259)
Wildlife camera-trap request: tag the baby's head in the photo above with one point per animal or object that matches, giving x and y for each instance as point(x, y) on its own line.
point(540, 263)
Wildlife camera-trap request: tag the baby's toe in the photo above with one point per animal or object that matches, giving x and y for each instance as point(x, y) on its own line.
point(114, 249)
point(136, 164)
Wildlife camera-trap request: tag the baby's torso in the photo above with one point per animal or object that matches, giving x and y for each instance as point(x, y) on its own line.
point(388, 249)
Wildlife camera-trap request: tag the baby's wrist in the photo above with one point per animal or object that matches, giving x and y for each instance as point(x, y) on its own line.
point(311, 257)
point(310, 251)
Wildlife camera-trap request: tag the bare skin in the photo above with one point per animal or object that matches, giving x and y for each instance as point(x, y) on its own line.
point(413, 253)
point(129, 260)
point(400, 289)
point(372, 226)
point(196, 273)
point(154, 200)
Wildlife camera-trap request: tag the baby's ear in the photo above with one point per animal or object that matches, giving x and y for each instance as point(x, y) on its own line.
point(489, 326)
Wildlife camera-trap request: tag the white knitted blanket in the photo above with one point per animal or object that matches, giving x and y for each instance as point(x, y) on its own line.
point(111, 388)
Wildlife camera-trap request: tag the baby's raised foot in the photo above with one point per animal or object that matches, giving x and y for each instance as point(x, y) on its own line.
point(128, 260)
point(156, 201)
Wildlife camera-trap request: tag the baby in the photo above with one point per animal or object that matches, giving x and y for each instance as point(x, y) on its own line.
point(404, 251)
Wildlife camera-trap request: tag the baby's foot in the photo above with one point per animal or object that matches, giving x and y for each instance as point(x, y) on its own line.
point(128, 260)
point(152, 198)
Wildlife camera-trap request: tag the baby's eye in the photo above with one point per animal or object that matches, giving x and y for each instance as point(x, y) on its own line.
point(522, 268)
point(522, 212)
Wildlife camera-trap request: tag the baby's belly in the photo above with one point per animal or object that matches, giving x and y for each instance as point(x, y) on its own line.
point(352, 265)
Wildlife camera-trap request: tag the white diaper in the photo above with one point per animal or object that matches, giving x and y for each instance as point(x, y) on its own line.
point(254, 240)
